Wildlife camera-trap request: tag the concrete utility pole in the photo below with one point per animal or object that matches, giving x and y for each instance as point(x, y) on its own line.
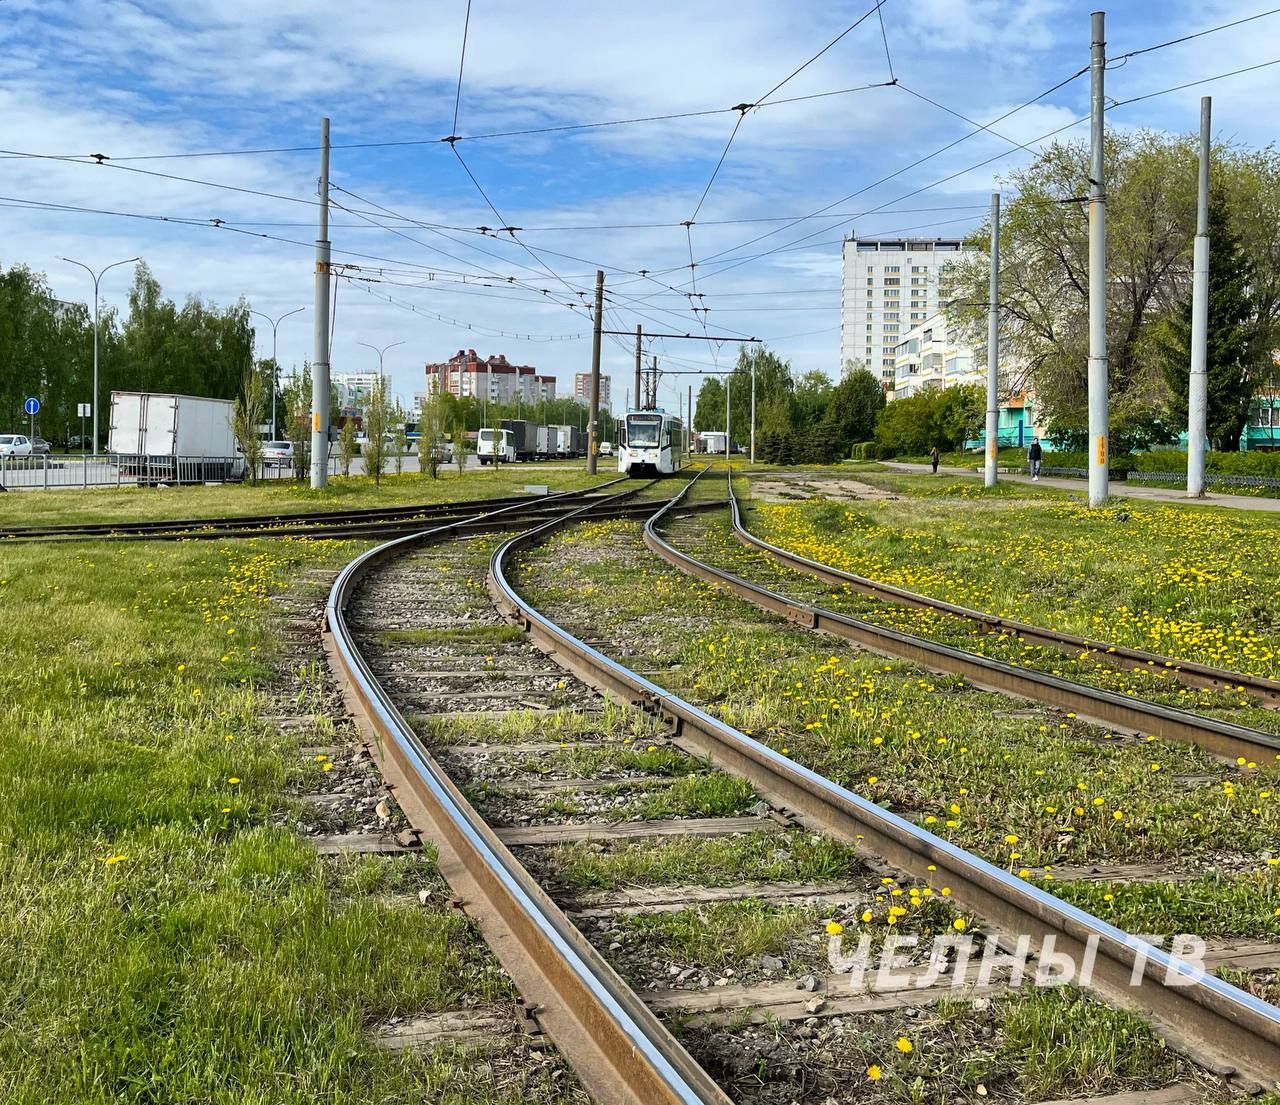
point(753, 410)
point(993, 347)
point(320, 338)
point(97, 278)
point(593, 434)
point(653, 385)
point(1098, 371)
point(638, 357)
point(275, 365)
point(1198, 398)
point(688, 433)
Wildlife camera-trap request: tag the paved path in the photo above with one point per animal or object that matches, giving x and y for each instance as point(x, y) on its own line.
point(1119, 489)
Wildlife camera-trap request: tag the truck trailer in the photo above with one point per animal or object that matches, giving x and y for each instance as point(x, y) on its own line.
point(524, 436)
point(174, 438)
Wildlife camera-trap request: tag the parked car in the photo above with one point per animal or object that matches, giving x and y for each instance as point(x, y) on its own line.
point(15, 445)
point(277, 454)
point(39, 446)
point(606, 448)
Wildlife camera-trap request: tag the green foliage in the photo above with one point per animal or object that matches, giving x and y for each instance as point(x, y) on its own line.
point(246, 418)
point(1236, 363)
point(709, 413)
point(1151, 191)
point(1224, 463)
point(377, 425)
point(944, 417)
point(854, 406)
point(348, 446)
point(297, 419)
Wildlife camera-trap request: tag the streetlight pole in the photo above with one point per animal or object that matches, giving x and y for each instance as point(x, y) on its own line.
point(97, 277)
point(275, 365)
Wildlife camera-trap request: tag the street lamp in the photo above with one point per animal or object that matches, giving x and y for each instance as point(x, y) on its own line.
point(275, 366)
point(96, 278)
point(380, 352)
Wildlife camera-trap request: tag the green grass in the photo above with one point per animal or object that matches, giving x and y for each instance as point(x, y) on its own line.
point(1030, 789)
point(167, 937)
point(1196, 583)
point(280, 496)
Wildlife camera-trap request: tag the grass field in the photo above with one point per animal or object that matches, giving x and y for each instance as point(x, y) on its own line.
point(1194, 583)
point(285, 496)
point(167, 935)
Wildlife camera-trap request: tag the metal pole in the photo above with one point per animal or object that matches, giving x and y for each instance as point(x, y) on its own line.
point(638, 358)
point(320, 340)
point(688, 432)
point(753, 411)
point(593, 443)
point(993, 347)
point(97, 278)
point(1198, 398)
point(1098, 369)
point(728, 384)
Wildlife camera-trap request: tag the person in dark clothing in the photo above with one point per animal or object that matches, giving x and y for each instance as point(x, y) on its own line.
point(1034, 455)
point(934, 458)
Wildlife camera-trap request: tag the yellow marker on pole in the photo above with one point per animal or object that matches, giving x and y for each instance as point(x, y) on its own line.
point(1102, 449)
point(315, 421)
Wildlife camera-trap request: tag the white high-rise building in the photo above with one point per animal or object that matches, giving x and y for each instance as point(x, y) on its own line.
point(888, 286)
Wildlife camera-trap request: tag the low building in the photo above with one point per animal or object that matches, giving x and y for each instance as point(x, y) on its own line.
point(467, 374)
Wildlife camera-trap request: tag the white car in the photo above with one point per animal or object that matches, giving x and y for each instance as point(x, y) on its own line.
point(606, 448)
point(14, 445)
point(278, 454)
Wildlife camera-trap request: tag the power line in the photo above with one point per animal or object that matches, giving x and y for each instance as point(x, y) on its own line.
point(1117, 62)
point(885, 38)
point(457, 103)
point(1193, 84)
point(796, 72)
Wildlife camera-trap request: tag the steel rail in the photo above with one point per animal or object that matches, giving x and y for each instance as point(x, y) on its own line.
point(617, 1046)
point(1125, 712)
point(414, 512)
point(1188, 672)
point(520, 513)
point(1231, 1032)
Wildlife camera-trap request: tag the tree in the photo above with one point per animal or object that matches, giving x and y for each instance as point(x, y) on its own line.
point(296, 397)
point(1236, 363)
point(945, 417)
point(1151, 192)
point(245, 419)
point(775, 392)
point(855, 404)
point(708, 415)
point(348, 446)
point(377, 423)
point(400, 434)
point(812, 395)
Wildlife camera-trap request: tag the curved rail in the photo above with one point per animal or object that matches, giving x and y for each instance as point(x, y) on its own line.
point(1187, 672)
point(1219, 1025)
point(283, 524)
point(618, 1047)
point(1222, 738)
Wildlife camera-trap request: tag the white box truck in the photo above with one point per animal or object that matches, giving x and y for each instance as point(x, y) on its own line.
point(173, 438)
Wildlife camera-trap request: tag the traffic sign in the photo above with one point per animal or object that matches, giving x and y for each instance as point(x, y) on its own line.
point(83, 410)
point(32, 406)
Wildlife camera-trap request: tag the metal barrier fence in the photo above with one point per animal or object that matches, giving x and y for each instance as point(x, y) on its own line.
point(121, 470)
point(1218, 478)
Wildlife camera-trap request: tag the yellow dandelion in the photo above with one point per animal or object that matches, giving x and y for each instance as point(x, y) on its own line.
point(903, 1045)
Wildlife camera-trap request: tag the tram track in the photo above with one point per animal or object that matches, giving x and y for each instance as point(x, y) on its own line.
point(608, 1034)
point(356, 522)
point(1231, 741)
point(1122, 657)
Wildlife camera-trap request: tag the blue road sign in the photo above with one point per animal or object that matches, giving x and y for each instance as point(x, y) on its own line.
point(32, 406)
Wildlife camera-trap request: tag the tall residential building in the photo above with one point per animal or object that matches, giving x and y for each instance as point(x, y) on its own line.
point(582, 390)
point(467, 374)
point(888, 286)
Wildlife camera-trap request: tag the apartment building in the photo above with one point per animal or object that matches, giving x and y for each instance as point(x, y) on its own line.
point(355, 388)
point(468, 374)
point(582, 390)
point(889, 286)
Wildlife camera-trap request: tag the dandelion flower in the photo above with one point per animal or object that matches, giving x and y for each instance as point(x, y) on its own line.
point(959, 924)
point(111, 861)
point(903, 1045)
point(874, 1072)
point(233, 781)
point(834, 928)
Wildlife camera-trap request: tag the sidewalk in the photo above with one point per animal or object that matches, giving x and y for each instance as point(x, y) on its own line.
point(1119, 489)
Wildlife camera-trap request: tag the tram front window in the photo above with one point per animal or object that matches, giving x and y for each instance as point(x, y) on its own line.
point(642, 433)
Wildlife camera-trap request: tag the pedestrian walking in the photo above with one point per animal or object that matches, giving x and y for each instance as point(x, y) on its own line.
point(1034, 455)
point(934, 458)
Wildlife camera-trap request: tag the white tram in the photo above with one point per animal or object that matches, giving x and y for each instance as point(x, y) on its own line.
point(652, 444)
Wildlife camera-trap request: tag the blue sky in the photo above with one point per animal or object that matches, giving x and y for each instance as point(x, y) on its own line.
point(131, 78)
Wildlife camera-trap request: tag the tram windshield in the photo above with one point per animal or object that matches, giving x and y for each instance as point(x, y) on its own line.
point(642, 431)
